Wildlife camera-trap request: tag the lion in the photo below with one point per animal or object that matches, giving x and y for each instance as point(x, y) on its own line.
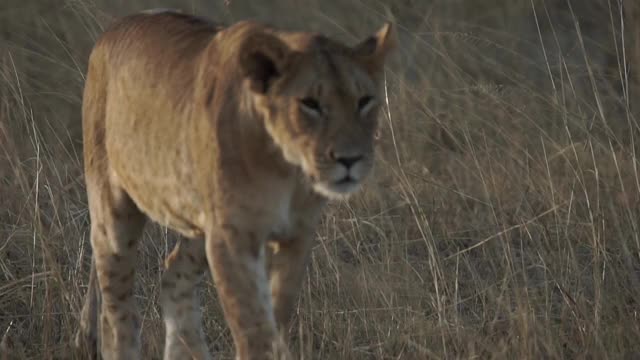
point(233, 136)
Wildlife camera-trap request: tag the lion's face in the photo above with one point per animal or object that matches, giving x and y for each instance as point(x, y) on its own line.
point(325, 121)
point(321, 110)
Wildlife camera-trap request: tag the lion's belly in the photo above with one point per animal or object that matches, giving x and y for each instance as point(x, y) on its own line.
point(168, 203)
point(161, 185)
point(147, 148)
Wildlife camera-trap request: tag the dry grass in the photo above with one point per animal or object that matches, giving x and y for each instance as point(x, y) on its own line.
point(502, 222)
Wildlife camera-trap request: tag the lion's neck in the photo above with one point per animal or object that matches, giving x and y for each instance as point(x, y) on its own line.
point(243, 140)
point(258, 142)
point(239, 135)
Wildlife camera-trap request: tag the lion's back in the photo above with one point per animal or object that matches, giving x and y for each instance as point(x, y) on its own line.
point(162, 31)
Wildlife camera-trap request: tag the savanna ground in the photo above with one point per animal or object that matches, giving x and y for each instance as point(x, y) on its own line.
point(502, 221)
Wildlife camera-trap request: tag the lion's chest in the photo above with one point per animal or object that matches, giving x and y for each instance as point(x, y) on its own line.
point(282, 217)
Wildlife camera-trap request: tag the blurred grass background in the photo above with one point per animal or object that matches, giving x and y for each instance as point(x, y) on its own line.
point(502, 221)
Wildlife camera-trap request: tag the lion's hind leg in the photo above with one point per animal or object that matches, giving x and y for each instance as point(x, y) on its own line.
point(180, 306)
point(86, 340)
point(116, 225)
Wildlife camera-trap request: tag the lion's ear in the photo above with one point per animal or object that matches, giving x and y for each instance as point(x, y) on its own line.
point(263, 58)
point(373, 51)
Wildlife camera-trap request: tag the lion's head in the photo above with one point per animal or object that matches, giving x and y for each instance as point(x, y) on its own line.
point(319, 100)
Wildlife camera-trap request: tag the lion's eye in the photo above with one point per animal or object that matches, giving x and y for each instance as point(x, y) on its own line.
point(365, 104)
point(310, 106)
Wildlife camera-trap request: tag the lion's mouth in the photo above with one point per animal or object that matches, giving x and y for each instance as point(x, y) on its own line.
point(347, 180)
point(338, 189)
point(346, 185)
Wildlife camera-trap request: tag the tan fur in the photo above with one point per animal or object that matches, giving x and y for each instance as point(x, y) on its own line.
point(204, 129)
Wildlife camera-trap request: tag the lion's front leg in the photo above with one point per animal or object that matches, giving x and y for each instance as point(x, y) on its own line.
point(287, 262)
point(237, 260)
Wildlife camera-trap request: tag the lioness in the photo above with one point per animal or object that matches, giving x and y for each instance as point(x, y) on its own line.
point(234, 137)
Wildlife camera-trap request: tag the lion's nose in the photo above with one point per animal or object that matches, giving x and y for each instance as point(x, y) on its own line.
point(347, 160)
